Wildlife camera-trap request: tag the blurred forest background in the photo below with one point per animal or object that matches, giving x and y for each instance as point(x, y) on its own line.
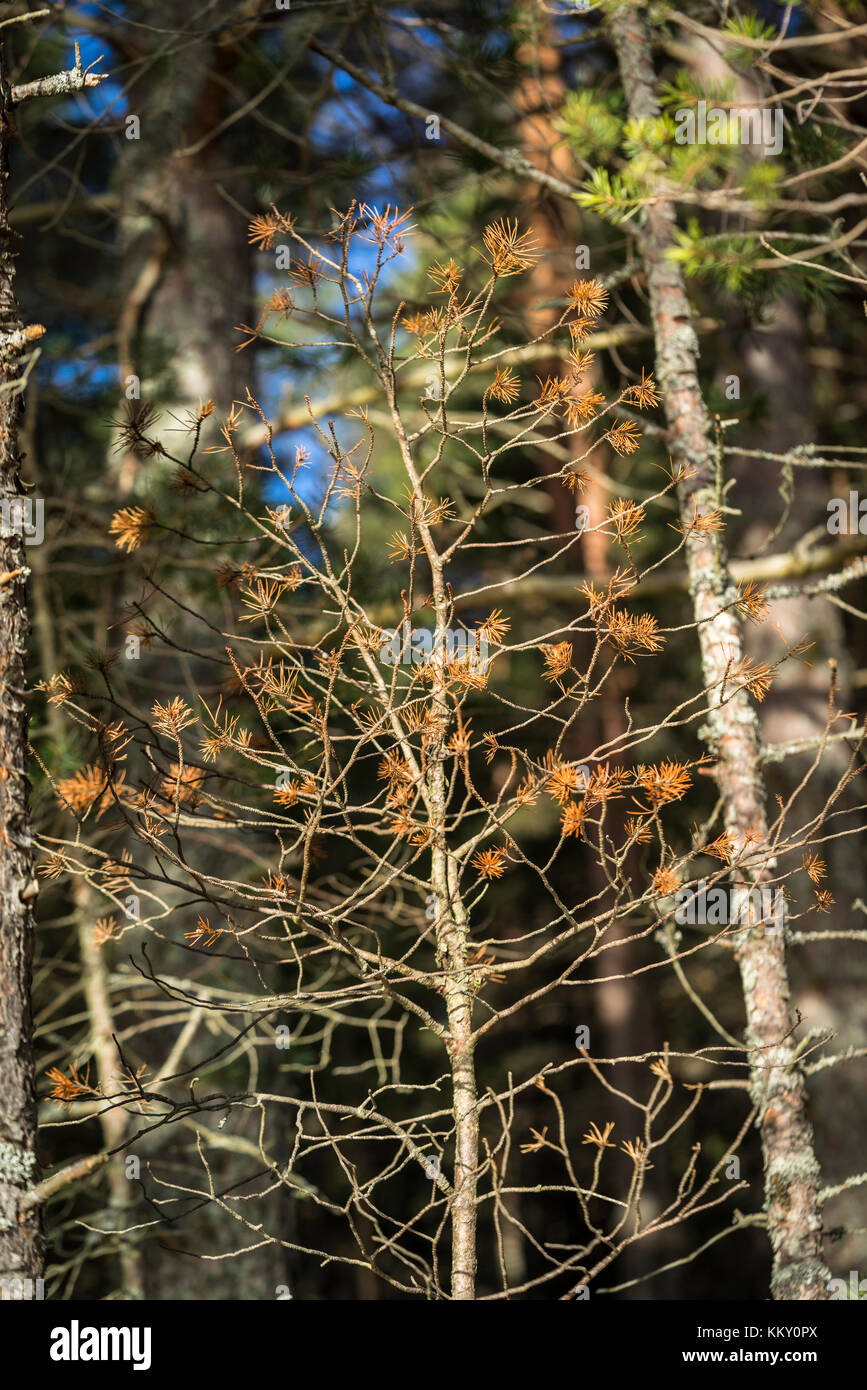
point(132, 202)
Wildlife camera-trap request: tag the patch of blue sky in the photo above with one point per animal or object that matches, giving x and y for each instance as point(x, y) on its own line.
point(435, 39)
point(773, 12)
point(308, 367)
point(106, 99)
point(308, 486)
point(310, 481)
point(78, 376)
point(573, 17)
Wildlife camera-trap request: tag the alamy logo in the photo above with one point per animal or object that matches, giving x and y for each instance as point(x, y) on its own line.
point(847, 517)
point(18, 1288)
point(77, 1343)
point(739, 125)
point(23, 516)
point(839, 1289)
point(720, 907)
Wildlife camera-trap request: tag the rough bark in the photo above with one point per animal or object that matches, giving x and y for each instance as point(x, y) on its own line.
point(186, 268)
point(538, 96)
point(792, 1203)
point(828, 978)
point(20, 1234)
point(623, 1009)
point(114, 1122)
point(187, 264)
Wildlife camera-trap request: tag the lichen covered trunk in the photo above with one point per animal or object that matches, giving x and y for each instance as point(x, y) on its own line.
point(20, 1236)
point(792, 1203)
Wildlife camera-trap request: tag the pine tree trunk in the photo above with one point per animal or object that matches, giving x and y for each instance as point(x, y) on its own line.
point(792, 1205)
point(20, 1237)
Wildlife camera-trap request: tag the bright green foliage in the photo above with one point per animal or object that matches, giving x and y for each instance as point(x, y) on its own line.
point(747, 26)
point(591, 122)
point(614, 197)
point(761, 181)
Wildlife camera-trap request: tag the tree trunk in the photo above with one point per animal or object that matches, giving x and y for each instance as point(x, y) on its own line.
point(623, 1009)
point(792, 1204)
point(20, 1237)
point(187, 268)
